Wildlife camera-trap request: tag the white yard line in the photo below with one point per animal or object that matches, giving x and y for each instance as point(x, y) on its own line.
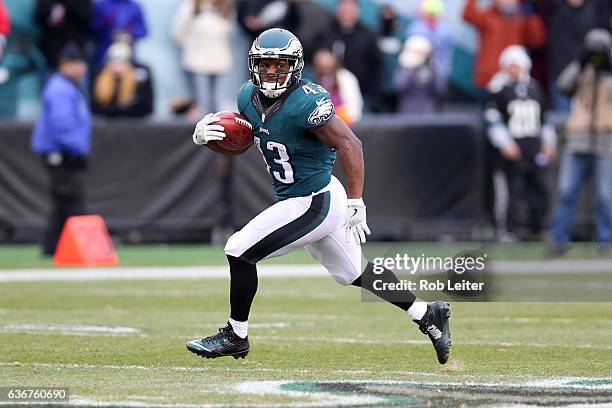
point(68, 329)
point(207, 369)
point(89, 330)
point(425, 341)
point(539, 320)
point(186, 272)
point(524, 380)
point(557, 266)
point(86, 330)
point(272, 271)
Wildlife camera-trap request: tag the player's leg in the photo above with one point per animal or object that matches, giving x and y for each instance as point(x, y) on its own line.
point(282, 227)
point(345, 262)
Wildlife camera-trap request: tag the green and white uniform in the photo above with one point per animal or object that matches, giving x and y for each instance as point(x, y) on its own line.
point(312, 203)
point(297, 160)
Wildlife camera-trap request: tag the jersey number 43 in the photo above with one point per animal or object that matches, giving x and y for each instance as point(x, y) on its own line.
point(282, 171)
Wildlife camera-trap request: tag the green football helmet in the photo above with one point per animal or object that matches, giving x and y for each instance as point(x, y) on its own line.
point(276, 43)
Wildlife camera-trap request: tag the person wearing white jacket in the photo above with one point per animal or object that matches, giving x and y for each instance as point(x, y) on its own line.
point(202, 29)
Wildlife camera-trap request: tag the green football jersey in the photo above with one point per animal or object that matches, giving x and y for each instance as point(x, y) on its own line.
point(299, 163)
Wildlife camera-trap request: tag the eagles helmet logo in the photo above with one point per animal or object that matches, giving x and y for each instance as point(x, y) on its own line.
point(323, 111)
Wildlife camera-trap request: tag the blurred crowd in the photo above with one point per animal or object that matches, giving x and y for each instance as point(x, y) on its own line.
point(532, 57)
point(392, 61)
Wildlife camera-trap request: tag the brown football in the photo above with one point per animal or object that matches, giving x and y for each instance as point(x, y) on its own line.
point(238, 131)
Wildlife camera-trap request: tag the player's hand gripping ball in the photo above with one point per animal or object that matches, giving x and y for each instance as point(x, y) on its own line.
point(224, 132)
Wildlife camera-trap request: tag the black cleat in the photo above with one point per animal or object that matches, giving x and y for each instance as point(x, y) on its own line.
point(224, 343)
point(435, 324)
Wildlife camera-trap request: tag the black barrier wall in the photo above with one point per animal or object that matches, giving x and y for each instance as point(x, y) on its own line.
point(150, 182)
point(423, 177)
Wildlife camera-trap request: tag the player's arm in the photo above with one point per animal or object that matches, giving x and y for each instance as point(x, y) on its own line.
point(337, 134)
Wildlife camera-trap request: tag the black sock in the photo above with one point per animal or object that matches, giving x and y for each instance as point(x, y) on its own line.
point(403, 299)
point(243, 286)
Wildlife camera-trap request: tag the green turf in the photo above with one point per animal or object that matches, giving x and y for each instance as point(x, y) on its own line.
point(28, 256)
point(302, 329)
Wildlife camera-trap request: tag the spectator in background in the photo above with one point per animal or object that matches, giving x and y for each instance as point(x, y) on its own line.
point(431, 26)
point(123, 88)
point(62, 136)
point(356, 48)
point(256, 16)
point(568, 23)
point(418, 81)
point(341, 84)
point(390, 42)
point(5, 28)
point(21, 57)
point(500, 24)
point(516, 127)
point(62, 21)
point(588, 151)
point(504, 23)
point(202, 29)
point(116, 20)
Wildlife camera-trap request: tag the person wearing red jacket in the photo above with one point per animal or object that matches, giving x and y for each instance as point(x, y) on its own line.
point(504, 23)
point(5, 27)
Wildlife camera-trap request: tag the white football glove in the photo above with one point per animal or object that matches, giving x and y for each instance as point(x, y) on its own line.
point(205, 131)
point(355, 224)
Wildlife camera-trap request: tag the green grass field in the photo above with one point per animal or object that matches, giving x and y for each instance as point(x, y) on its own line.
point(28, 256)
point(313, 342)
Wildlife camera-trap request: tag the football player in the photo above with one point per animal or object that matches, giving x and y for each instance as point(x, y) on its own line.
point(299, 136)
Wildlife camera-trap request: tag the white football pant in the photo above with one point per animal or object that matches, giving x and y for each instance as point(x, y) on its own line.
point(314, 222)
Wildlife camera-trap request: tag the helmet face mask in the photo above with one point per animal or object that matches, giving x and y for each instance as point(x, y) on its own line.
point(276, 44)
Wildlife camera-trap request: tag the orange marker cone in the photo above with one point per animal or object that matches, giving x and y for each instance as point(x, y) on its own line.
point(85, 242)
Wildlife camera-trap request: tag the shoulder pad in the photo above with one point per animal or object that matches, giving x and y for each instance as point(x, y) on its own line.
point(313, 105)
